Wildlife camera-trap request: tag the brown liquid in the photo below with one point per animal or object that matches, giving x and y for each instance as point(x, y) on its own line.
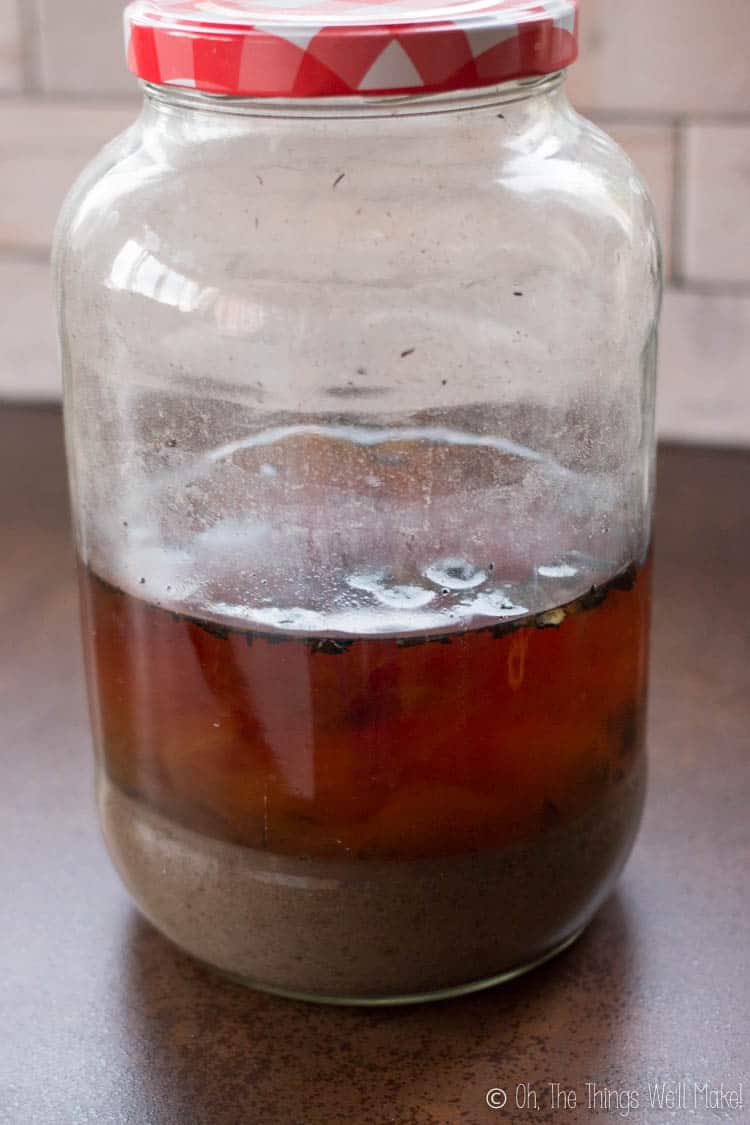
point(369, 747)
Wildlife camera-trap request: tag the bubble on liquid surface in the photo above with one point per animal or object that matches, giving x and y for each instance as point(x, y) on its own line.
point(455, 574)
point(379, 584)
point(557, 570)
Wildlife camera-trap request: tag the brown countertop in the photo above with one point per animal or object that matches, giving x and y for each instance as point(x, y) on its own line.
point(104, 1022)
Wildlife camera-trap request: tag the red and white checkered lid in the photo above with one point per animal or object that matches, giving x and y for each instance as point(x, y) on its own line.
point(334, 48)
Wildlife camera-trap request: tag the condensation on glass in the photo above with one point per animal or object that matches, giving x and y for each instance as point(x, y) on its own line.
point(359, 377)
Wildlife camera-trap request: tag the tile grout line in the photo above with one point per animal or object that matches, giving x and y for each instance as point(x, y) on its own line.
point(29, 24)
point(679, 202)
point(21, 254)
point(737, 290)
point(670, 264)
point(640, 117)
point(36, 98)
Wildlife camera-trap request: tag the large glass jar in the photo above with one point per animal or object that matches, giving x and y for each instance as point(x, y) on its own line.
point(359, 334)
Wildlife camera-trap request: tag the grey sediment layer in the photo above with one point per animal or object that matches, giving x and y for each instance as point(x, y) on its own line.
point(342, 928)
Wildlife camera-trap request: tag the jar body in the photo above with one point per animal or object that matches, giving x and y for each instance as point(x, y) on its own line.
point(359, 408)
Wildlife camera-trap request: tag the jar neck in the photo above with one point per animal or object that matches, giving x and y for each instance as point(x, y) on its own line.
point(519, 90)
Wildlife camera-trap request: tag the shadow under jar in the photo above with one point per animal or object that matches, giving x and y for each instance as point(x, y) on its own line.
point(358, 329)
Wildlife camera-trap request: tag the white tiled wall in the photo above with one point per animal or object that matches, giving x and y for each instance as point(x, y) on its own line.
point(669, 79)
point(705, 355)
point(63, 25)
point(716, 248)
point(664, 57)
point(44, 145)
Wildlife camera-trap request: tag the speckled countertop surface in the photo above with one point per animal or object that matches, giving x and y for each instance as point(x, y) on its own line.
point(104, 1022)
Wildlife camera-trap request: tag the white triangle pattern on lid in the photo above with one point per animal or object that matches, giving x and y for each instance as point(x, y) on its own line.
point(392, 68)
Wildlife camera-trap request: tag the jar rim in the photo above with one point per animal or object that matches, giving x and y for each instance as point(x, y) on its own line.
point(453, 101)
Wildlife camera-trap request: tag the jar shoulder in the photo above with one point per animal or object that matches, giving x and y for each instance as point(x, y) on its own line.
point(594, 148)
point(101, 179)
point(394, 194)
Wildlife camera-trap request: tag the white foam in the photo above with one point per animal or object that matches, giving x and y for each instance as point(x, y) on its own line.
point(557, 570)
point(455, 574)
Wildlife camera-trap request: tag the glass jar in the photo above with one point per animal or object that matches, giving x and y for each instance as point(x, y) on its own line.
point(359, 379)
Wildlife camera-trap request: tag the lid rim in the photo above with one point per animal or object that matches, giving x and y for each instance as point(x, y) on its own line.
point(293, 56)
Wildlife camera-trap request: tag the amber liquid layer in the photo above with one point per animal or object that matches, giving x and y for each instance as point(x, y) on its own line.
point(390, 747)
